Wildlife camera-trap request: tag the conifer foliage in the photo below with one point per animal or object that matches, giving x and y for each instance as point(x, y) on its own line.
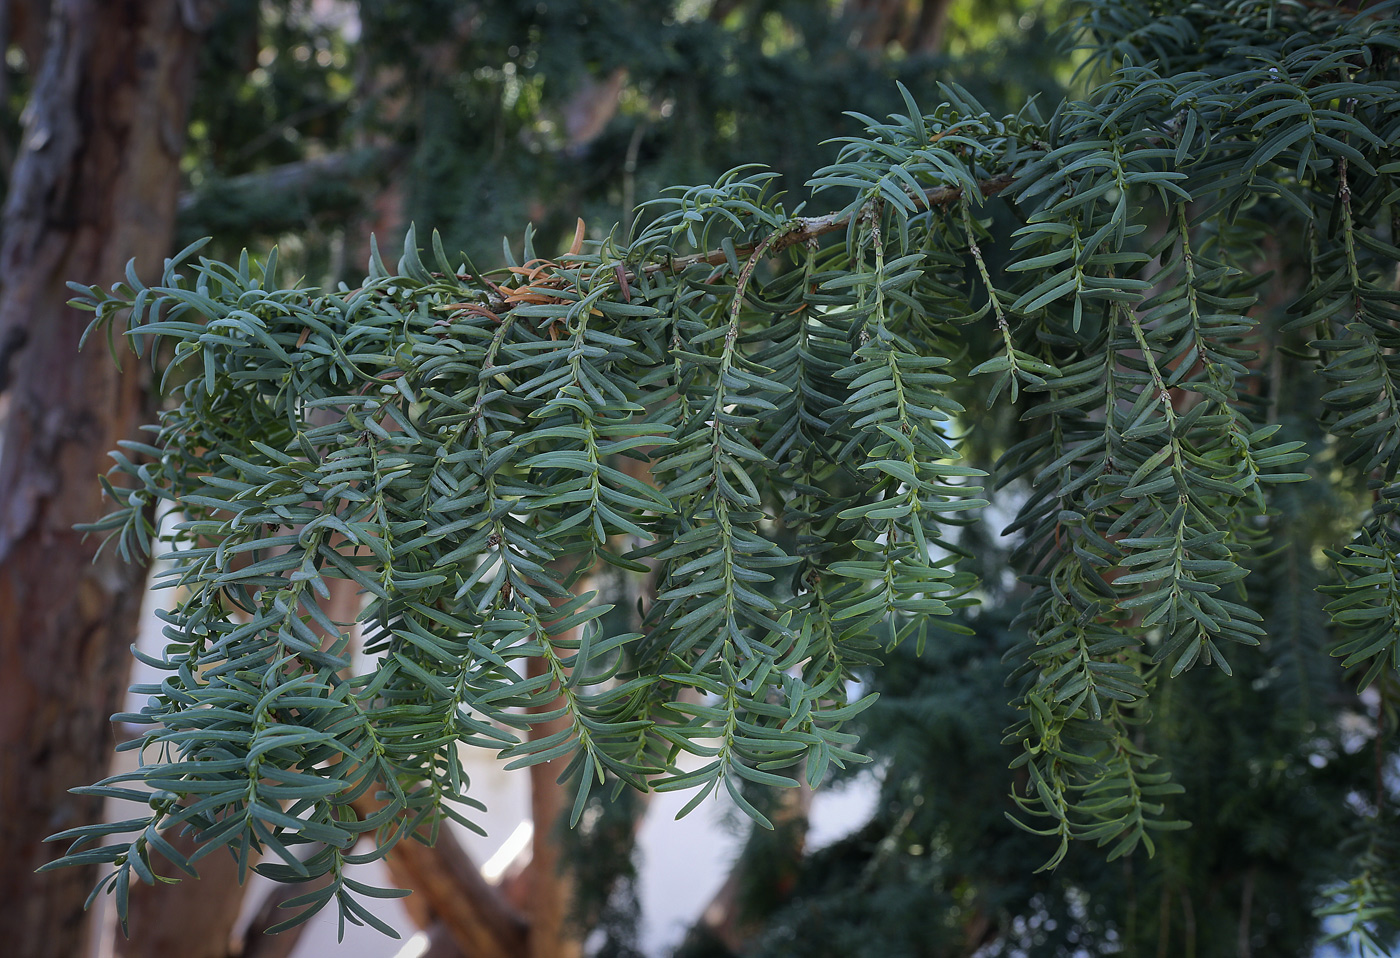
point(763, 411)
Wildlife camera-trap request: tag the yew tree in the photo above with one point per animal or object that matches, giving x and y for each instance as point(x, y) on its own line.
point(1176, 292)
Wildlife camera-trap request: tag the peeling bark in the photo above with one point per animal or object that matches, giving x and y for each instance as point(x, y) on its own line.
point(94, 184)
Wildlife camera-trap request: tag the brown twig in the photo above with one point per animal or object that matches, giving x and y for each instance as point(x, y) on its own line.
point(540, 278)
point(806, 228)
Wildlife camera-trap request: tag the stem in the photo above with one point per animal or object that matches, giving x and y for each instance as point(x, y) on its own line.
point(801, 229)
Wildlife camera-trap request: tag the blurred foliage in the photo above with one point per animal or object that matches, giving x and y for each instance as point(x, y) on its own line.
point(513, 112)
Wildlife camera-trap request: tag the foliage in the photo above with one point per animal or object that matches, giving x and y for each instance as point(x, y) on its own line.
point(492, 119)
point(940, 870)
point(771, 427)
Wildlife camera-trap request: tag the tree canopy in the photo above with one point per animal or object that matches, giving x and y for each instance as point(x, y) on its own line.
point(1154, 325)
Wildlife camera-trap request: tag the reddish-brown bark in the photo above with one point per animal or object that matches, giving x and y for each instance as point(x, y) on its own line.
point(550, 884)
point(94, 184)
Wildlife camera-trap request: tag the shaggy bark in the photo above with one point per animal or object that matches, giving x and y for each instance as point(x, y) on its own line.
point(94, 184)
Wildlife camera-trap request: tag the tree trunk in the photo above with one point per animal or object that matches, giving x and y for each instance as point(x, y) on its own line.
point(95, 183)
point(192, 919)
point(449, 893)
point(917, 28)
point(550, 882)
point(725, 919)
